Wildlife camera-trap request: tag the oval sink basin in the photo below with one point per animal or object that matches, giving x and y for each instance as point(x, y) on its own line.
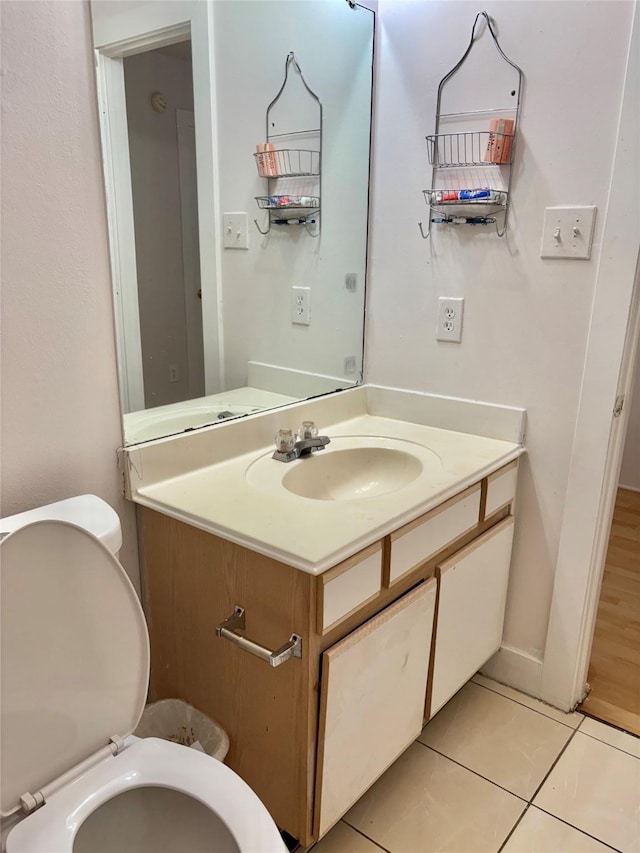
point(347, 475)
point(349, 469)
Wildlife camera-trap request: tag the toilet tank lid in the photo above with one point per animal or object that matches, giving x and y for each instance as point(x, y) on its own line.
point(87, 511)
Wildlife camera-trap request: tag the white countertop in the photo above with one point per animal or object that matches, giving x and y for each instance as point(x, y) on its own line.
point(174, 418)
point(314, 535)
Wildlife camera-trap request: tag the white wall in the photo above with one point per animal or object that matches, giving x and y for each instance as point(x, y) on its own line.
point(333, 46)
point(526, 319)
point(630, 470)
point(60, 412)
point(525, 322)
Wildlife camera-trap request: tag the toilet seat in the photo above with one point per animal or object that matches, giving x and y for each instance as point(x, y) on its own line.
point(74, 673)
point(150, 762)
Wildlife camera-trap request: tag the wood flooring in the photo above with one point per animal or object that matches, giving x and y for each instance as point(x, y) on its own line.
point(614, 669)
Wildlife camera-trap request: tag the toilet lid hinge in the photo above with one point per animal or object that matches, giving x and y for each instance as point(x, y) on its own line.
point(116, 744)
point(30, 802)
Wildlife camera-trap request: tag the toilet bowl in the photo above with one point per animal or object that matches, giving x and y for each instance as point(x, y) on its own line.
point(74, 675)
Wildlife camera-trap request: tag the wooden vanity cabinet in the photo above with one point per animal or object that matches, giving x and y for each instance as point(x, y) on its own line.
point(192, 581)
point(387, 637)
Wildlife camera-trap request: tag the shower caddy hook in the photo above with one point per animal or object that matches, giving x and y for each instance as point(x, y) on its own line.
point(465, 150)
point(294, 163)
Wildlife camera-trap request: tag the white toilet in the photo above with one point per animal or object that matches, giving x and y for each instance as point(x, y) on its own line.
point(74, 670)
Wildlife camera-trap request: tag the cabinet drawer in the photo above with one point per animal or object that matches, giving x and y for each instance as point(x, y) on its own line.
point(371, 701)
point(501, 488)
point(348, 586)
point(471, 603)
point(421, 539)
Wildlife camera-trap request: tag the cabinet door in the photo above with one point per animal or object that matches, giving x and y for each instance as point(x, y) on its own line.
point(472, 597)
point(372, 700)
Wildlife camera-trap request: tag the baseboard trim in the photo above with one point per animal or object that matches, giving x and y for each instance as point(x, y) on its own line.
point(516, 669)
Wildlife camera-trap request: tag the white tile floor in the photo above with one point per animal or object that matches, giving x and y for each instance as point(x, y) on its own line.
point(498, 771)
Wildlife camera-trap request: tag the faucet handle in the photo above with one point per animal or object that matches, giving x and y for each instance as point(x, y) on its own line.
point(308, 429)
point(285, 440)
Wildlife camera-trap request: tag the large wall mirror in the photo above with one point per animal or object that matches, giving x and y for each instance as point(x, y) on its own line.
point(239, 274)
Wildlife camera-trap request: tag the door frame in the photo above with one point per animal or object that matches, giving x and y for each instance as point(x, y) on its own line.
point(125, 34)
point(599, 436)
point(185, 132)
point(122, 246)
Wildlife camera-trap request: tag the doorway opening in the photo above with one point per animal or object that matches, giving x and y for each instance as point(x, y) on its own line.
point(614, 666)
point(162, 155)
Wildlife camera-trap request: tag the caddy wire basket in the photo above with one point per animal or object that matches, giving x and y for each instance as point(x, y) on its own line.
point(478, 148)
point(288, 163)
point(288, 202)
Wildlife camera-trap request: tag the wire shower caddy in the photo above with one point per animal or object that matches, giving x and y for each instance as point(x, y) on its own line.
point(472, 170)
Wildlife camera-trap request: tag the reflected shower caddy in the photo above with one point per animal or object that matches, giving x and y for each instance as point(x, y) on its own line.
point(293, 175)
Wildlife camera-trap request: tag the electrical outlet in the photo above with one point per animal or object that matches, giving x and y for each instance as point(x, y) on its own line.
point(301, 306)
point(450, 314)
point(350, 364)
point(236, 231)
point(568, 232)
point(174, 373)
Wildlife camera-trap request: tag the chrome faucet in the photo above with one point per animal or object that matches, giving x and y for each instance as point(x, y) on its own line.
point(308, 441)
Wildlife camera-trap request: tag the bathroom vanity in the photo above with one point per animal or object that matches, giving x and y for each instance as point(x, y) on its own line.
point(381, 607)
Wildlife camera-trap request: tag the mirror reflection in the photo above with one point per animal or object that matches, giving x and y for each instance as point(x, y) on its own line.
point(237, 204)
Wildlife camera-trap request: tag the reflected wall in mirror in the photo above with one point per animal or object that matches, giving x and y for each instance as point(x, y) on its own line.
point(205, 326)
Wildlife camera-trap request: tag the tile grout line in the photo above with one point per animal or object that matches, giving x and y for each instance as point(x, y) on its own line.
point(606, 743)
point(537, 791)
point(364, 835)
point(475, 772)
point(577, 828)
point(550, 770)
point(535, 710)
point(528, 803)
point(514, 827)
point(555, 817)
point(590, 716)
point(531, 804)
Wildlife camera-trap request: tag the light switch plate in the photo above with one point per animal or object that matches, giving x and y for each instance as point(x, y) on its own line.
point(568, 232)
point(235, 231)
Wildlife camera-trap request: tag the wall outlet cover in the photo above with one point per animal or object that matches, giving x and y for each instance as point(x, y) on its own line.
point(301, 306)
point(450, 314)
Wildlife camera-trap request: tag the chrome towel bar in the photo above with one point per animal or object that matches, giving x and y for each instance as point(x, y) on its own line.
point(236, 622)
